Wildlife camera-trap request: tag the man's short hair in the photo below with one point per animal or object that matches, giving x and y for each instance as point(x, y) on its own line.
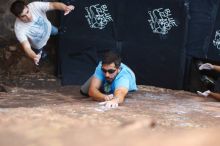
point(17, 7)
point(112, 57)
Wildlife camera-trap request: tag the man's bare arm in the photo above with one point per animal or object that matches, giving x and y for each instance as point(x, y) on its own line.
point(30, 53)
point(119, 96)
point(94, 90)
point(216, 68)
point(61, 6)
point(121, 93)
point(215, 95)
point(208, 93)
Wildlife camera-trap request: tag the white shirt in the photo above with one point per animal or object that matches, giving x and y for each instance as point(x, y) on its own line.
point(38, 31)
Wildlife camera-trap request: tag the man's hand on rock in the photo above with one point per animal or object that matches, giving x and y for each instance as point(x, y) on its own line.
point(205, 94)
point(37, 59)
point(206, 66)
point(113, 103)
point(109, 97)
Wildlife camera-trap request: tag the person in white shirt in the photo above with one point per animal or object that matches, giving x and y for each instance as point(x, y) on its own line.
point(32, 28)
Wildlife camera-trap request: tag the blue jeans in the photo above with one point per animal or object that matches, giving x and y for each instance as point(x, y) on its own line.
point(54, 31)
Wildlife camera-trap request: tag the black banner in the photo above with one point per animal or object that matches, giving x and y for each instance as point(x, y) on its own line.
point(149, 35)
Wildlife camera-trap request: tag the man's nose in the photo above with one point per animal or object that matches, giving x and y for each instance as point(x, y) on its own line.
point(107, 74)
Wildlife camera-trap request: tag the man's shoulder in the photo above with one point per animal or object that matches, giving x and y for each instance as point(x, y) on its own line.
point(18, 26)
point(37, 4)
point(125, 68)
point(33, 6)
point(125, 73)
point(99, 65)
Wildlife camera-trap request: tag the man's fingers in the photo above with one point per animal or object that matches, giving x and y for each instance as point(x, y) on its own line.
point(200, 93)
point(114, 105)
point(206, 93)
point(37, 58)
point(36, 61)
point(106, 98)
point(207, 66)
point(109, 104)
point(109, 97)
point(66, 13)
point(69, 9)
point(102, 103)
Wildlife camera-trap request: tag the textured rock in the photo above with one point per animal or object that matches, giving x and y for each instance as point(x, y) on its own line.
point(38, 111)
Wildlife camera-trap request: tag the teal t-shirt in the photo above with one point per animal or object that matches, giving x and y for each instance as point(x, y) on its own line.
point(125, 78)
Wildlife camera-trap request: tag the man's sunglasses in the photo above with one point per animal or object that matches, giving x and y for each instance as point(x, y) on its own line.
point(110, 71)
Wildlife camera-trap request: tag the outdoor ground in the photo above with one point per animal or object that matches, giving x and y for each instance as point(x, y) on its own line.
point(35, 110)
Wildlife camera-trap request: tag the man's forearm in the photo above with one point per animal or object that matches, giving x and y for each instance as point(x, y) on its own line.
point(216, 68)
point(119, 97)
point(31, 54)
point(61, 6)
point(27, 49)
point(96, 95)
point(120, 94)
point(215, 95)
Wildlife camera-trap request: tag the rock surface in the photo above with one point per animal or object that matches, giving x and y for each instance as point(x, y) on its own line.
point(35, 110)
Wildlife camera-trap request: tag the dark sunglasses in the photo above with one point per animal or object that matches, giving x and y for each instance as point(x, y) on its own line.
point(111, 71)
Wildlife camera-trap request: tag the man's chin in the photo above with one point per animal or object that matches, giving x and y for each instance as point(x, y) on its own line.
point(109, 80)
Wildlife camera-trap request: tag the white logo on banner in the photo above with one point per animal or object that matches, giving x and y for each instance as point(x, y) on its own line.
point(161, 21)
point(98, 16)
point(216, 41)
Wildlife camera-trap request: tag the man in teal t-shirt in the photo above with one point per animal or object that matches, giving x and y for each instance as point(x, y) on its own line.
point(111, 81)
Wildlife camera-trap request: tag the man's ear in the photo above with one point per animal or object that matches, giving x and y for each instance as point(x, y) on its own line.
point(119, 68)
